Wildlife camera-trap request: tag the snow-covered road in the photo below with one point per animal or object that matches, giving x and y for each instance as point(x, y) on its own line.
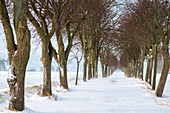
point(115, 94)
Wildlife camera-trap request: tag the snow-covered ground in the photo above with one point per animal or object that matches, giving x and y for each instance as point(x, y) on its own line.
point(115, 94)
point(33, 78)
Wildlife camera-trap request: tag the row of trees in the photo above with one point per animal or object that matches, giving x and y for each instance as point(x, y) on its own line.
point(144, 28)
point(87, 23)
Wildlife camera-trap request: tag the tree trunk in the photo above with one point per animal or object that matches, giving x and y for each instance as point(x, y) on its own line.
point(89, 65)
point(62, 61)
point(46, 61)
point(129, 70)
point(164, 73)
point(16, 85)
point(136, 68)
point(148, 66)
point(63, 75)
point(63, 68)
point(85, 65)
point(19, 60)
point(106, 66)
point(155, 67)
point(76, 81)
point(165, 51)
point(93, 64)
point(141, 70)
point(96, 67)
point(89, 71)
point(141, 64)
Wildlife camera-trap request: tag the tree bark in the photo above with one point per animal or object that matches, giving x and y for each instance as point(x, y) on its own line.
point(46, 61)
point(93, 64)
point(155, 67)
point(89, 70)
point(62, 62)
point(148, 67)
point(85, 65)
point(164, 73)
point(76, 81)
point(141, 64)
point(63, 75)
point(89, 64)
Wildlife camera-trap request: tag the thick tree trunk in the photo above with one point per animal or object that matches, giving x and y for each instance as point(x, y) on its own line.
point(164, 73)
point(63, 75)
point(150, 65)
point(46, 61)
point(129, 70)
point(46, 91)
point(19, 64)
point(93, 65)
point(89, 66)
point(165, 50)
point(76, 81)
point(147, 71)
point(63, 72)
point(141, 65)
point(19, 60)
point(141, 70)
point(155, 67)
point(62, 61)
point(85, 65)
point(16, 84)
point(89, 71)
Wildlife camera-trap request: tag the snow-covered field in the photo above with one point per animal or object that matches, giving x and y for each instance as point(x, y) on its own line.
point(115, 94)
point(34, 78)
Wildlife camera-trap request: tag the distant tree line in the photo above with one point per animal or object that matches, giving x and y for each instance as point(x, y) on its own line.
point(144, 31)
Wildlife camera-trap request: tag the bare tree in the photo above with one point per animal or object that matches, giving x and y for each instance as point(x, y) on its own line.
point(18, 54)
point(164, 32)
point(41, 14)
point(77, 54)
